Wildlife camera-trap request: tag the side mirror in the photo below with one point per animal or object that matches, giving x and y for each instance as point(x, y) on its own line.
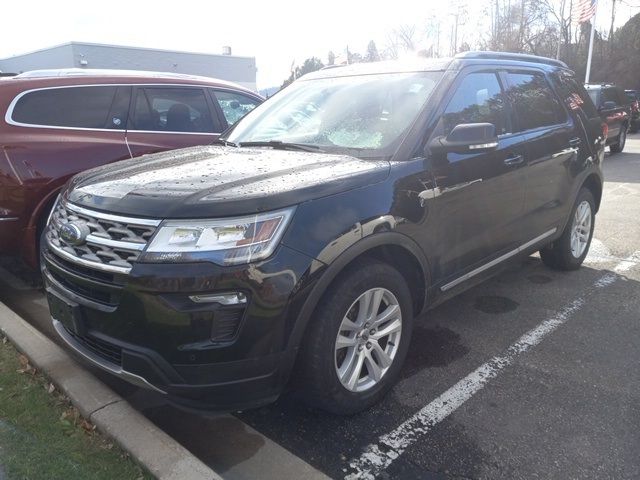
point(467, 138)
point(608, 105)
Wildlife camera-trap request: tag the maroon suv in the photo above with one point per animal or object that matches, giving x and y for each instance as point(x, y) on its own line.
point(55, 124)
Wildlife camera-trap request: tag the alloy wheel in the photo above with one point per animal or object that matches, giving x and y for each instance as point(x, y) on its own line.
point(581, 229)
point(368, 339)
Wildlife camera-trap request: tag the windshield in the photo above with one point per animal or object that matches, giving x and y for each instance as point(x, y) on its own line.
point(366, 113)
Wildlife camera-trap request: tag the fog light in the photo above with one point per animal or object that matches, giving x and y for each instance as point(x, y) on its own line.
point(233, 298)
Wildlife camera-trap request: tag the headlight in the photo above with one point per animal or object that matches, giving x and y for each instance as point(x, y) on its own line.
point(227, 241)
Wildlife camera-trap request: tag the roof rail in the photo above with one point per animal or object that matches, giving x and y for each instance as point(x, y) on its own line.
point(521, 57)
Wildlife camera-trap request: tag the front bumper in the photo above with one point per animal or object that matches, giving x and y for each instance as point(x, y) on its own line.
point(144, 327)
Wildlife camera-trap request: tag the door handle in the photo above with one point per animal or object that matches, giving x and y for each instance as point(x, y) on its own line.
point(575, 142)
point(514, 160)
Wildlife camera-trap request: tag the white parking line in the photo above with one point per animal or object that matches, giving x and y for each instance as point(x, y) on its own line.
point(378, 456)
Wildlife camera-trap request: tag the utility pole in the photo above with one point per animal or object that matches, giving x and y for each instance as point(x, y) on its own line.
point(455, 34)
point(593, 31)
point(561, 32)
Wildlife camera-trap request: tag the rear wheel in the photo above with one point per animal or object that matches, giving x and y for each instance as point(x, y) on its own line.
point(358, 340)
point(570, 250)
point(622, 140)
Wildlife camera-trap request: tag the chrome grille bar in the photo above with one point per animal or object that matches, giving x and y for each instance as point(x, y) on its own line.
point(113, 244)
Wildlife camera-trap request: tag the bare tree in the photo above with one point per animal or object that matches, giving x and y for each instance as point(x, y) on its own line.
point(406, 36)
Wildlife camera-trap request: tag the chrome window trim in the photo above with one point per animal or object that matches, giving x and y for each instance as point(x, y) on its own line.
point(498, 260)
point(113, 218)
point(8, 118)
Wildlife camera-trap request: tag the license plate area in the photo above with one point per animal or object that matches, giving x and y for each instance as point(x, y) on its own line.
point(66, 312)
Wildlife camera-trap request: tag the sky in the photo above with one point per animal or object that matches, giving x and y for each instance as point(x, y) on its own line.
point(276, 32)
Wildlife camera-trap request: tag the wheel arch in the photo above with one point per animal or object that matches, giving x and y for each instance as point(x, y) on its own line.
point(393, 248)
point(594, 183)
point(32, 230)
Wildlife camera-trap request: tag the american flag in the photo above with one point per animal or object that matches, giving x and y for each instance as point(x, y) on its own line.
point(583, 10)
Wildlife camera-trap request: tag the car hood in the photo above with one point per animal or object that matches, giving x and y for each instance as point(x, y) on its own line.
point(215, 181)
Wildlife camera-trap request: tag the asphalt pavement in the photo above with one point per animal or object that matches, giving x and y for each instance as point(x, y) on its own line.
point(532, 374)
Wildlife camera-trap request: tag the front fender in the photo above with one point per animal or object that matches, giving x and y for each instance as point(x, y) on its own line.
point(326, 274)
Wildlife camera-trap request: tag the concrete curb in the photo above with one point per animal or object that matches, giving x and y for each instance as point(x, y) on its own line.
point(151, 447)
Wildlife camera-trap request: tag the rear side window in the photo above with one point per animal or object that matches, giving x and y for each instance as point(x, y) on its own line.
point(534, 102)
point(234, 106)
point(79, 107)
point(574, 95)
point(173, 109)
point(478, 99)
point(622, 97)
point(610, 95)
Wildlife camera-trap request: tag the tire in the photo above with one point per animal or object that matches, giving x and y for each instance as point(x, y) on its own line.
point(622, 140)
point(562, 254)
point(318, 374)
point(40, 227)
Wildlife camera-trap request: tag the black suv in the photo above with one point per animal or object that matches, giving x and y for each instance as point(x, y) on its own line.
point(615, 109)
point(302, 247)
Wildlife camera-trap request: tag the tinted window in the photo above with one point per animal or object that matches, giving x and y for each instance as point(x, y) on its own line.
point(234, 105)
point(172, 110)
point(610, 95)
point(622, 97)
point(83, 107)
point(478, 99)
point(574, 95)
point(534, 102)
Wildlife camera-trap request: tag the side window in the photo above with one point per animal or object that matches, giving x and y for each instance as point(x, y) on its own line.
point(119, 108)
point(172, 109)
point(622, 97)
point(79, 107)
point(478, 99)
point(534, 102)
point(610, 95)
point(574, 95)
point(235, 105)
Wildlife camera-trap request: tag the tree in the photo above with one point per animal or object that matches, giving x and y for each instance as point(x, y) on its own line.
point(331, 57)
point(372, 52)
point(309, 65)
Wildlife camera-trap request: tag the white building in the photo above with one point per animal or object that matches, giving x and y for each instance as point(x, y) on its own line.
point(241, 70)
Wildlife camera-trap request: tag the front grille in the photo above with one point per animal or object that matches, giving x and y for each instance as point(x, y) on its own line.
point(94, 294)
point(113, 243)
point(108, 351)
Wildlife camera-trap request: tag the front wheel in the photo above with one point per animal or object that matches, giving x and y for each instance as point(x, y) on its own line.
point(570, 250)
point(358, 339)
point(622, 140)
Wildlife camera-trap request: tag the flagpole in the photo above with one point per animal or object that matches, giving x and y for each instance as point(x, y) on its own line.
point(593, 31)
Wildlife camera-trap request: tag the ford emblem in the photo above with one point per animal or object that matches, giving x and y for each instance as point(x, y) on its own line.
point(74, 233)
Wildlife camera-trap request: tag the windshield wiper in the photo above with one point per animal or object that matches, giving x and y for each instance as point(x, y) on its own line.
point(280, 145)
point(226, 143)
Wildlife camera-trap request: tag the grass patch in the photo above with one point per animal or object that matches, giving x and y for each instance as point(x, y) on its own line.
point(43, 437)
